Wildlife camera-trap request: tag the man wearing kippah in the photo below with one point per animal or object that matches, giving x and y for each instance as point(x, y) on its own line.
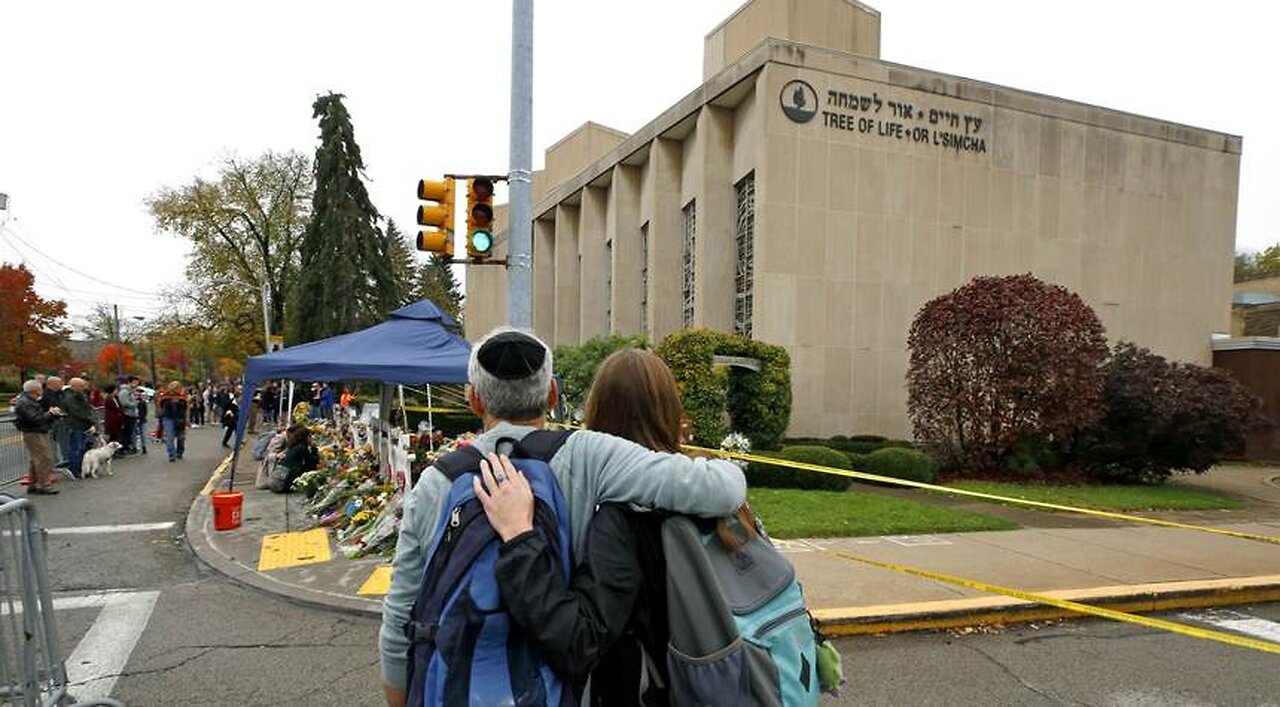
point(511, 390)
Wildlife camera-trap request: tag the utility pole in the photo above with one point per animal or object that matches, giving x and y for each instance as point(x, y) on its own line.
point(520, 225)
point(266, 317)
point(115, 309)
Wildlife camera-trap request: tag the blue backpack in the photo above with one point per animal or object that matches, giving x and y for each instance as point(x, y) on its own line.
point(464, 648)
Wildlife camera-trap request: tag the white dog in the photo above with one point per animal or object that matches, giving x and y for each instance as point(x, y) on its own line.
point(95, 459)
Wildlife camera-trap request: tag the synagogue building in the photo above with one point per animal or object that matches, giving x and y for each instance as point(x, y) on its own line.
point(813, 195)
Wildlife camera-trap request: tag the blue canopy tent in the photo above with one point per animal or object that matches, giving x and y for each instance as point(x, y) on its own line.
point(417, 345)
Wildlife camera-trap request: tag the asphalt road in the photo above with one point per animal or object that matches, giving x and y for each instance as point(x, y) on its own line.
point(144, 621)
point(197, 638)
point(1084, 662)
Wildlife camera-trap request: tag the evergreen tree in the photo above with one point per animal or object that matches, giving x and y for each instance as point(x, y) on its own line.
point(403, 264)
point(435, 281)
point(346, 280)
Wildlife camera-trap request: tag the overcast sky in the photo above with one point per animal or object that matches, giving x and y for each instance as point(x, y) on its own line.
point(101, 104)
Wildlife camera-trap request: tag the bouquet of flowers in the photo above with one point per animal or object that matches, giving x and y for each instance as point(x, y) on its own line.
point(738, 443)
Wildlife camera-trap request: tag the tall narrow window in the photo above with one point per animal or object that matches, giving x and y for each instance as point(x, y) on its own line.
point(608, 286)
point(688, 252)
point(644, 278)
point(744, 239)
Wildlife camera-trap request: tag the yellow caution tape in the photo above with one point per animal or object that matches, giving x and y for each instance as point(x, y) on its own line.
point(433, 410)
point(1171, 626)
point(987, 496)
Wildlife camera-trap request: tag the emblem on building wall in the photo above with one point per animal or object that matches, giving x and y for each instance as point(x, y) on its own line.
point(799, 101)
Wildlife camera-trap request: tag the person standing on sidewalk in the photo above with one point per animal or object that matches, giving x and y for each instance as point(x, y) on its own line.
point(129, 409)
point(58, 437)
point(33, 422)
point(230, 414)
point(140, 425)
point(512, 390)
point(80, 423)
point(171, 408)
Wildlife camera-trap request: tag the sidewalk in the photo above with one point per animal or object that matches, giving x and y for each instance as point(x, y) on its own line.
point(1118, 565)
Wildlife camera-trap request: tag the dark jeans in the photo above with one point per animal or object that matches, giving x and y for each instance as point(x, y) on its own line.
point(79, 444)
point(175, 437)
point(126, 431)
point(226, 436)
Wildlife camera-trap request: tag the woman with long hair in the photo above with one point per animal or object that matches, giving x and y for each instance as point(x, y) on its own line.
point(610, 621)
point(113, 417)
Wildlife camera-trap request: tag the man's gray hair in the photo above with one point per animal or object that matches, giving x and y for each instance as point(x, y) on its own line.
point(516, 399)
point(32, 386)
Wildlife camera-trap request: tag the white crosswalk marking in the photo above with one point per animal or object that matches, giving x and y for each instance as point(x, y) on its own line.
point(1237, 622)
point(105, 529)
point(102, 653)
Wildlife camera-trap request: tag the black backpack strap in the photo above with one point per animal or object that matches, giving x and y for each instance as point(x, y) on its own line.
point(538, 444)
point(459, 462)
point(542, 444)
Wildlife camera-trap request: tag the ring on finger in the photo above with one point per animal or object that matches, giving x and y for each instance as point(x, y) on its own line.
point(499, 477)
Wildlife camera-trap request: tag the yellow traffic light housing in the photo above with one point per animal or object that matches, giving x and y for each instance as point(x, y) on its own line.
point(436, 215)
point(479, 217)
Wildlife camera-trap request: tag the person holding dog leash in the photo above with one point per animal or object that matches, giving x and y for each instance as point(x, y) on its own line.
point(80, 423)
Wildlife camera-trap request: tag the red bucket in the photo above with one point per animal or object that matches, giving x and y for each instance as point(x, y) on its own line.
point(226, 509)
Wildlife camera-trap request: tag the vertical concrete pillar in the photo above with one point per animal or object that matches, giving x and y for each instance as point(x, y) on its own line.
point(717, 211)
point(622, 228)
point(593, 303)
point(662, 189)
point(568, 285)
point(544, 279)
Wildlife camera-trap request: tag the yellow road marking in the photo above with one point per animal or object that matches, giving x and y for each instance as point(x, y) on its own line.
point(293, 549)
point(987, 496)
point(218, 471)
point(378, 583)
point(1171, 626)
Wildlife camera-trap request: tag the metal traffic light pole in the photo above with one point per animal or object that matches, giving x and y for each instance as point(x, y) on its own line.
point(520, 225)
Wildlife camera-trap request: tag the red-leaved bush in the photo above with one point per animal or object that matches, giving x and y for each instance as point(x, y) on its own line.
point(999, 362)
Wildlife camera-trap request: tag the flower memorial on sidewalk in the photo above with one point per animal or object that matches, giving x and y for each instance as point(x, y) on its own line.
point(348, 494)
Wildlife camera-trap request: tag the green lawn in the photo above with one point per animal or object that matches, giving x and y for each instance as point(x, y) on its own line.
point(793, 513)
point(1167, 497)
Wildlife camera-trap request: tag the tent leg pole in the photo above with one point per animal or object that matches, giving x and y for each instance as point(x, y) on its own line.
point(431, 423)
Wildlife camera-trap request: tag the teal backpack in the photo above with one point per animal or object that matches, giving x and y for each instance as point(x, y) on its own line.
point(740, 632)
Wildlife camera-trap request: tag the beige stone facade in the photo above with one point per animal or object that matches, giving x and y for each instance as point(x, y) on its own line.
point(830, 194)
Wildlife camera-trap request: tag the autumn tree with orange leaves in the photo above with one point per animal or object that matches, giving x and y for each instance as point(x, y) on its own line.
point(31, 327)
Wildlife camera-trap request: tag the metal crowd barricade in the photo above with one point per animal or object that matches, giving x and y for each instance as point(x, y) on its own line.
point(32, 673)
point(13, 459)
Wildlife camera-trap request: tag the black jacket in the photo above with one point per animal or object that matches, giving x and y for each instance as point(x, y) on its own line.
point(79, 411)
point(614, 604)
point(32, 416)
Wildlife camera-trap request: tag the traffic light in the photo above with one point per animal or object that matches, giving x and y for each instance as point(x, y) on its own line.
point(479, 217)
point(437, 216)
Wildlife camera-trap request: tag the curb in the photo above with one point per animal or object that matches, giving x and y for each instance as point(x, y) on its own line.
point(198, 534)
point(845, 621)
point(987, 611)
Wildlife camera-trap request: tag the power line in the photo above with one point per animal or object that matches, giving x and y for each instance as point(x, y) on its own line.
point(36, 269)
point(68, 267)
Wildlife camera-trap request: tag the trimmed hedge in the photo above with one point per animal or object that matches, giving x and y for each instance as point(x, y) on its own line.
point(758, 404)
point(900, 463)
point(770, 475)
point(857, 444)
point(577, 365)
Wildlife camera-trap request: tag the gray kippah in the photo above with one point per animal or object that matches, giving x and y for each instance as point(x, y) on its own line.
point(511, 355)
